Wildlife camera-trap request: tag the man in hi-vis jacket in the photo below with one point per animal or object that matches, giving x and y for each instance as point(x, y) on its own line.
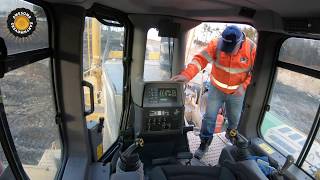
point(232, 58)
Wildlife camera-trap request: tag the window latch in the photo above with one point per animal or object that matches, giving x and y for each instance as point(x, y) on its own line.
point(58, 118)
point(267, 108)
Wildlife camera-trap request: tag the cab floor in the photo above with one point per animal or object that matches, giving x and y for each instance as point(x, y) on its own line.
point(211, 158)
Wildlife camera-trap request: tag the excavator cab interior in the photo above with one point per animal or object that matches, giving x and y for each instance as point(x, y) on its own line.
point(86, 92)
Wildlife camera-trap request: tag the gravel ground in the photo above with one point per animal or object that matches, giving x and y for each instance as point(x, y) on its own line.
point(30, 110)
point(297, 108)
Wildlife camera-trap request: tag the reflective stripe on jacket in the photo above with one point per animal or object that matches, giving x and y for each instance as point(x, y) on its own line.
point(229, 72)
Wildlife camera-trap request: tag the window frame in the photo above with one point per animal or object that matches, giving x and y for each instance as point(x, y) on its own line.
point(310, 139)
point(18, 60)
point(171, 49)
point(101, 12)
point(104, 21)
point(9, 148)
point(301, 70)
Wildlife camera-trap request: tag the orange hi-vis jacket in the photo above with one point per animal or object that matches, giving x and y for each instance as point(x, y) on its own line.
point(229, 72)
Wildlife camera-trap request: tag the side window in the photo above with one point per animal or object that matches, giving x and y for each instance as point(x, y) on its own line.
point(294, 101)
point(29, 104)
point(312, 163)
point(27, 92)
point(158, 57)
point(308, 56)
point(103, 68)
point(293, 106)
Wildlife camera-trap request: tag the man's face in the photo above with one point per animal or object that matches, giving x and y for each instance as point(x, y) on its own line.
point(231, 40)
point(228, 47)
point(236, 48)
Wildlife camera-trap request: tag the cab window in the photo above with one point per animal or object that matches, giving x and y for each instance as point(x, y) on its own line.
point(158, 57)
point(103, 68)
point(29, 104)
point(294, 102)
point(27, 91)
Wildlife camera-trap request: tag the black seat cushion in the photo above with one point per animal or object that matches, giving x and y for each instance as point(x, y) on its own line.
point(179, 172)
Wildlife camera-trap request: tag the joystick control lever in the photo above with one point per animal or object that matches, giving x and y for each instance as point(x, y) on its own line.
point(132, 148)
point(129, 159)
point(287, 164)
point(242, 145)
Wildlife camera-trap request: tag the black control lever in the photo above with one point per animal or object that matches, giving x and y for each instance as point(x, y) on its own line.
point(131, 149)
point(241, 142)
point(129, 159)
point(242, 145)
point(101, 124)
point(279, 175)
point(287, 164)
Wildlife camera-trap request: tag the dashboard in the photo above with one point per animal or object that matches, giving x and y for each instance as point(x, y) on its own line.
point(162, 109)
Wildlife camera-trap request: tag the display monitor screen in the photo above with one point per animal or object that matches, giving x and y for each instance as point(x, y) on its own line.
point(167, 94)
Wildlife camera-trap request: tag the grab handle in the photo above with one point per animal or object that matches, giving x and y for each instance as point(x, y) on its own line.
point(90, 86)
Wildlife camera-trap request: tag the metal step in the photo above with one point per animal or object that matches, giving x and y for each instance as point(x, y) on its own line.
point(211, 158)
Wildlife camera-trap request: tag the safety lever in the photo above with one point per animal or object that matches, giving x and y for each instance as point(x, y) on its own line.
point(287, 164)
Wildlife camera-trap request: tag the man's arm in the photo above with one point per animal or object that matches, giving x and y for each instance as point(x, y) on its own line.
point(243, 87)
point(252, 58)
point(198, 63)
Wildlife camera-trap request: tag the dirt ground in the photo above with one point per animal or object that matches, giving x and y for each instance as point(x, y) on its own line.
point(28, 101)
point(296, 99)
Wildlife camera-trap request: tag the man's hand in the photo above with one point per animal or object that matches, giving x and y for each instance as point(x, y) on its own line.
point(180, 78)
point(240, 91)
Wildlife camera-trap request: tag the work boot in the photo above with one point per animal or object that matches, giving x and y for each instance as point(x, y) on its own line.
point(231, 135)
point(203, 148)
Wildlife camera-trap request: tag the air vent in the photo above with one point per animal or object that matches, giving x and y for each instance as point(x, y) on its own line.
point(298, 25)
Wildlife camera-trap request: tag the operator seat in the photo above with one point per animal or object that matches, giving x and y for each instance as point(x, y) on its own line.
point(227, 170)
point(180, 172)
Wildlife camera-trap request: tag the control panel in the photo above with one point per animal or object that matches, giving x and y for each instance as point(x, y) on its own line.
point(162, 119)
point(162, 111)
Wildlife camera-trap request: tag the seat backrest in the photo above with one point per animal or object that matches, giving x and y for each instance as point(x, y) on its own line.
point(244, 170)
point(180, 172)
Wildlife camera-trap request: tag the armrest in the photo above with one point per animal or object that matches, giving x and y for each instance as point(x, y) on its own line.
point(133, 175)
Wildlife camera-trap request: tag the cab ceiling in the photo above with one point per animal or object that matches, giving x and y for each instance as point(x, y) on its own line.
point(204, 9)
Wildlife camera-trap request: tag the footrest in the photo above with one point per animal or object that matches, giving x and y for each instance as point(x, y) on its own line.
point(211, 158)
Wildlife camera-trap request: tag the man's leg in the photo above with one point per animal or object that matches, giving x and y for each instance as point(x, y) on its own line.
point(214, 102)
point(234, 105)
